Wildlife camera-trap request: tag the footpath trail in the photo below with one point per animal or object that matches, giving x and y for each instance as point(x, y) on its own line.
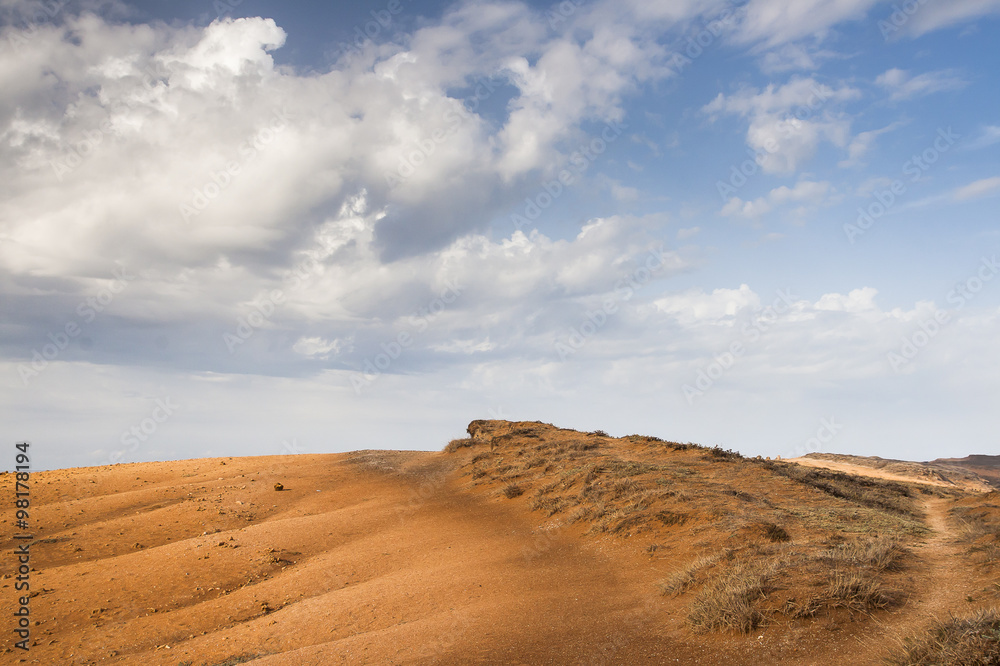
point(941, 581)
point(946, 583)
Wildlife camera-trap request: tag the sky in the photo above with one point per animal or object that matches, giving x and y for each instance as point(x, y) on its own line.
point(255, 228)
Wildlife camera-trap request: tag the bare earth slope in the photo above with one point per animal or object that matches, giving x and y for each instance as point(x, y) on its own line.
point(988, 467)
point(947, 474)
point(525, 544)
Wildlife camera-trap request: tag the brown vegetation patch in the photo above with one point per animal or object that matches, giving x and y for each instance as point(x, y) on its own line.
point(971, 640)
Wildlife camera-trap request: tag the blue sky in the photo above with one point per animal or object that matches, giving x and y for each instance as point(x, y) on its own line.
point(237, 228)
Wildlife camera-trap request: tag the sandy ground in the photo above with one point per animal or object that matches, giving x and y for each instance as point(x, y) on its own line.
point(369, 558)
point(360, 559)
point(862, 470)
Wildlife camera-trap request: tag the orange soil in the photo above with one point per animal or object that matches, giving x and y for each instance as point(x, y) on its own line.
point(863, 470)
point(372, 557)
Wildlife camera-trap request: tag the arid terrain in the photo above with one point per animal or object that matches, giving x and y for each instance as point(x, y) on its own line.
point(521, 544)
point(975, 473)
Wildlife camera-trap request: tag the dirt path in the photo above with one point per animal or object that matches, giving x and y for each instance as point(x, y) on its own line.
point(941, 582)
point(947, 584)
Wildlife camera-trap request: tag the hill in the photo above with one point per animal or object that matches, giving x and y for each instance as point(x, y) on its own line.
point(988, 467)
point(523, 543)
point(948, 474)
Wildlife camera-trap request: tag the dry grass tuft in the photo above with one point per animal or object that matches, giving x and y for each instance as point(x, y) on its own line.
point(855, 580)
point(858, 591)
point(512, 490)
point(979, 527)
point(732, 601)
point(775, 533)
point(973, 640)
point(456, 444)
point(681, 580)
point(879, 554)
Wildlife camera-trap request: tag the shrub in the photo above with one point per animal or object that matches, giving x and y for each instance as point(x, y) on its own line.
point(973, 640)
point(550, 505)
point(731, 602)
point(678, 582)
point(718, 453)
point(880, 554)
point(512, 490)
point(456, 444)
point(775, 533)
point(858, 591)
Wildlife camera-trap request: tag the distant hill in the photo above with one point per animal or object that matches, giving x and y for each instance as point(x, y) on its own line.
point(955, 474)
point(987, 467)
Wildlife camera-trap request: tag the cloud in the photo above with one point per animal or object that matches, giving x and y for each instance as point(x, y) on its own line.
point(808, 192)
point(776, 22)
point(858, 300)
point(317, 347)
point(938, 15)
point(793, 57)
point(695, 306)
point(787, 123)
point(737, 207)
point(772, 23)
point(86, 96)
point(902, 86)
point(861, 144)
point(328, 208)
point(624, 192)
point(979, 188)
point(989, 135)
